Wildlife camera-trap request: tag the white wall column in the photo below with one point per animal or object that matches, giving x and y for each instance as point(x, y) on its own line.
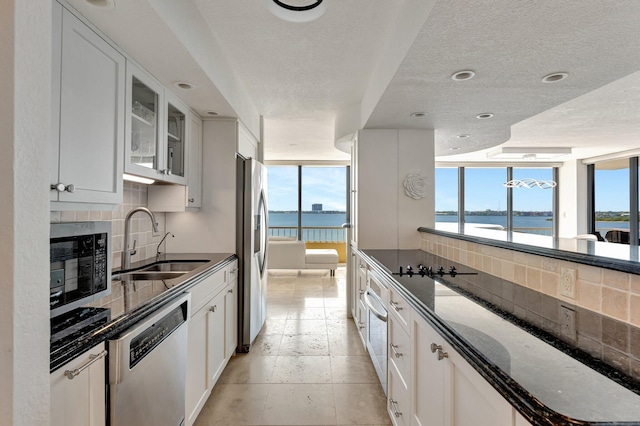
point(387, 217)
point(572, 213)
point(25, 48)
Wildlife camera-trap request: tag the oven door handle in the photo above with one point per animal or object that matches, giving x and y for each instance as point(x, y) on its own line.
point(381, 316)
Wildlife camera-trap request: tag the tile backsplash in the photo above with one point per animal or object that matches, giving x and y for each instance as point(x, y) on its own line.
point(135, 195)
point(612, 293)
point(531, 287)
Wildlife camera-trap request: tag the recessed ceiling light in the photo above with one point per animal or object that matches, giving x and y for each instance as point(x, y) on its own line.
point(484, 115)
point(211, 113)
point(555, 77)
point(418, 114)
point(463, 136)
point(184, 85)
point(463, 75)
point(293, 144)
point(454, 148)
point(297, 10)
point(102, 4)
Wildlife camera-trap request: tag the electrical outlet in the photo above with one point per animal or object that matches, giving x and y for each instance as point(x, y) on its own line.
point(568, 322)
point(568, 282)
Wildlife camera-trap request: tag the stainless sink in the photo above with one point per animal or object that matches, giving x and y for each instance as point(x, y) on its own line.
point(150, 275)
point(180, 266)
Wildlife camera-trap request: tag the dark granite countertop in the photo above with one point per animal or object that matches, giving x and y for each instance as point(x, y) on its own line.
point(129, 302)
point(546, 378)
point(619, 257)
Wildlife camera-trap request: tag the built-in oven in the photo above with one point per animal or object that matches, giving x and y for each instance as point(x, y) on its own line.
point(80, 264)
point(375, 297)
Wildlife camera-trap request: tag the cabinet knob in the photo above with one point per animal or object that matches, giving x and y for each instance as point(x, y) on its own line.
point(192, 200)
point(230, 291)
point(213, 308)
point(435, 348)
point(361, 325)
point(61, 187)
point(394, 349)
point(395, 306)
point(394, 407)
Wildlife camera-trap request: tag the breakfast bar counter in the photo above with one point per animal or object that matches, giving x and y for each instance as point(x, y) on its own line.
point(546, 379)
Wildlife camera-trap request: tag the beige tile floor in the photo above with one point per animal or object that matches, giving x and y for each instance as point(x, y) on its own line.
point(307, 365)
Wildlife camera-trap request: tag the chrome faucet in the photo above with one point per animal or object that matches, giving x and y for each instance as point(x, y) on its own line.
point(128, 252)
point(158, 252)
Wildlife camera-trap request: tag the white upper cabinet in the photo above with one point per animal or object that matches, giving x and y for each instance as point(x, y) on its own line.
point(144, 123)
point(156, 130)
point(88, 98)
point(194, 189)
point(175, 152)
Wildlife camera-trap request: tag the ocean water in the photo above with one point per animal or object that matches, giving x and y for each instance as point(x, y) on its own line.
point(528, 222)
point(309, 220)
point(337, 219)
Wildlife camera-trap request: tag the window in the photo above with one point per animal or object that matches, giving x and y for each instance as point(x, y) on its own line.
point(486, 202)
point(282, 196)
point(533, 206)
point(322, 197)
point(324, 192)
point(446, 186)
point(485, 197)
point(611, 200)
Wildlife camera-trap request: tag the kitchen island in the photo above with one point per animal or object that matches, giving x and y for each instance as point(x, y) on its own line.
point(546, 379)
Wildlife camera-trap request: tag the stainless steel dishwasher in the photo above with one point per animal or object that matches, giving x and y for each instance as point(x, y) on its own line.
point(147, 369)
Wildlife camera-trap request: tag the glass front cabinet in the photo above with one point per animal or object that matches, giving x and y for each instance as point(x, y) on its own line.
point(155, 130)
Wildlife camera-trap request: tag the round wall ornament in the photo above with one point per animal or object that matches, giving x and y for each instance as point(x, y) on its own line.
point(416, 185)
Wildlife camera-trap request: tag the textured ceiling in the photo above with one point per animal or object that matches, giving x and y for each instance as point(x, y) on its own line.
point(245, 62)
point(511, 46)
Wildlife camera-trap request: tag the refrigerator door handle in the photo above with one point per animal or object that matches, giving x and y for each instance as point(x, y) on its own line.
point(264, 218)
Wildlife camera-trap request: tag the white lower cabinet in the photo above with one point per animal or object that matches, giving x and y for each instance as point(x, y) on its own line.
point(78, 396)
point(399, 372)
point(215, 338)
point(231, 319)
point(446, 389)
point(212, 337)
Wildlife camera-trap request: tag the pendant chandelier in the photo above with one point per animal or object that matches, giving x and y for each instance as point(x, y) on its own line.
point(297, 10)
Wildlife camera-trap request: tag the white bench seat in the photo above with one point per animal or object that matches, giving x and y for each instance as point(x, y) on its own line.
point(288, 253)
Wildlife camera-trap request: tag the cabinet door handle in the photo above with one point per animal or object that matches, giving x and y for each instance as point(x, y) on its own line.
point(395, 306)
point(230, 291)
point(361, 292)
point(92, 358)
point(61, 187)
point(361, 325)
point(394, 349)
point(213, 308)
point(394, 408)
point(192, 200)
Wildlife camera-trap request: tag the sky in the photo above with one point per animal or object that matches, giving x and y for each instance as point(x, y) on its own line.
point(483, 189)
point(323, 185)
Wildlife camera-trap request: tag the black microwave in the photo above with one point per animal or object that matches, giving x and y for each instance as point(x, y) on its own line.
point(80, 260)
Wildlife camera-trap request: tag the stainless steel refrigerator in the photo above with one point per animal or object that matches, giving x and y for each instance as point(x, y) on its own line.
point(251, 247)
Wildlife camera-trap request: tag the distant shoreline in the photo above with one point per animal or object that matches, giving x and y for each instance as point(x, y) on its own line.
point(307, 212)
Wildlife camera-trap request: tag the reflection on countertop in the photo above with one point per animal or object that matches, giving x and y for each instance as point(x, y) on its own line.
point(514, 335)
point(132, 300)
